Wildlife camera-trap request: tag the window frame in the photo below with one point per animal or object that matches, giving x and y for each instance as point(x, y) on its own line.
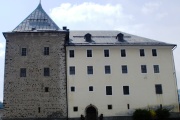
point(158, 89)
point(126, 90)
point(141, 52)
point(89, 53)
point(107, 69)
point(71, 54)
point(123, 53)
point(154, 52)
point(106, 52)
point(72, 70)
point(143, 69)
point(110, 90)
point(156, 68)
point(124, 69)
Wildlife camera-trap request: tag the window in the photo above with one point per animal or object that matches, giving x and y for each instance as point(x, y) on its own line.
point(108, 90)
point(23, 72)
point(154, 52)
point(23, 52)
point(71, 53)
point(72, 89)
point(158, 88)
point(39, 109)
point(90, 88)
point(107, 70)
point(143, 69)
point(72, 70)
point(46, 72)
point(126, 90)
point(46, 50)
point(124, 69)
point(106, 53)
point(75, 109)
point(128, 106)
point(89, 69)
point(46, 89)
point(123, 53)
point(89, 53)
point(109, 107)
point(142, 52)
point(156, 68)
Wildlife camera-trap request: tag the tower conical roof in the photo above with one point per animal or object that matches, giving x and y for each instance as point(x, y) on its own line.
point(38, 20)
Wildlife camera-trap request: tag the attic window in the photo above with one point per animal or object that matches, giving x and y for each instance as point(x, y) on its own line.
point(120, 37)
point(87, 37)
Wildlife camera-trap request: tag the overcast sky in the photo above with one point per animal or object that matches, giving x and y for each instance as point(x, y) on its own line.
point(154, 19)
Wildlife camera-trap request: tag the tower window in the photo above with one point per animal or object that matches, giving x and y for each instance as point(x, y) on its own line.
point(46, 72)
point(90, 88)
point(23, 72)
point(75, 109)
point(107, 70)
point(158, 88)
point(124, 69)
point(72, 89)
point(126, 90)
point(72, 70)
point(46, 50)
point(156, 68)
point(89, 69)
point(109, 107)
point(23, 52)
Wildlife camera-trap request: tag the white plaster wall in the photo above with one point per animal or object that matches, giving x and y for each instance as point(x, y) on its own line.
point(141, 85)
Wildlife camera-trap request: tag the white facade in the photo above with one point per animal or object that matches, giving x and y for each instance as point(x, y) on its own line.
point(142, 91)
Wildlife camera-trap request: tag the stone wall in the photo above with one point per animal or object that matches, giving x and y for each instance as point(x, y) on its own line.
point(25, 97)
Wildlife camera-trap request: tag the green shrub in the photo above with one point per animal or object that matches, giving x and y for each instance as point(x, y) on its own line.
point(162, 114)
point(141, 114)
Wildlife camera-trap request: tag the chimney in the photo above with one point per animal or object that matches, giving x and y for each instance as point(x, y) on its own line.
point(120, 37)
point(87, 37)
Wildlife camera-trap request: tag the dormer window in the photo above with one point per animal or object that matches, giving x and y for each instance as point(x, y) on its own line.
point(87, 37)
point(120, 37)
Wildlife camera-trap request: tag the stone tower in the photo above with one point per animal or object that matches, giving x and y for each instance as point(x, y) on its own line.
point(35, 69)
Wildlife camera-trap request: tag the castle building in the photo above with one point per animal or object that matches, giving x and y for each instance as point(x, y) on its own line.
point(57, 73)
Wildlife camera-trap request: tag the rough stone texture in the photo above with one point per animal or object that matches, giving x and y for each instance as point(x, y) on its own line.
point(23, 96)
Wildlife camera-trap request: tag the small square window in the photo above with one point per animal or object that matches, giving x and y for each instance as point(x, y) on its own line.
point(124, 69)
point(75, 109)
point(72, 89)
point(107, 70)
point(72, 70)
point(23, 72)
point(71, 53)
point(109, 107)
point(89, 53)
point(143, 69)
point(23, 52)
point(142, 52)
point(46, 50)
point(154, 52)
point(46, 89)
point(90, 88)
point(126, 90)
point(108, 90)
point(46, 72)
point(106, 53)
point(156, 68)
point(158, 88)
point(123, 53)
point(89, 69)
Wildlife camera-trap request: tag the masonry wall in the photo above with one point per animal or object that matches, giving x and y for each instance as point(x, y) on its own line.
point(25, 97)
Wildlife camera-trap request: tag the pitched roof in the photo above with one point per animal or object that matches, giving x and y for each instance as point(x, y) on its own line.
point(37, 20)
point(110, 38)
